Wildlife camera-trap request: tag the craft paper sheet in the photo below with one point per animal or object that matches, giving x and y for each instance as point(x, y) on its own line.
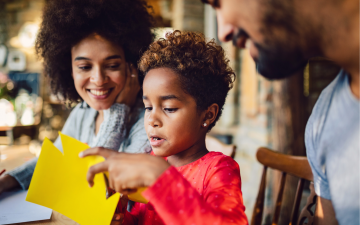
point(14, 209)
point(59, 182)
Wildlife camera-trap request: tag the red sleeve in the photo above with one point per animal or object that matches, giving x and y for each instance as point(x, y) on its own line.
point(130, 218)
point(177, 202)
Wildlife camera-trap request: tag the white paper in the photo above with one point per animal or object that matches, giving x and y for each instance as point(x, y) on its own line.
point(14, 209)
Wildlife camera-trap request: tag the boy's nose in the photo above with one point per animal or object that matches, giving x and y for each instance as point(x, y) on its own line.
point(153, 120)
point(225, 30)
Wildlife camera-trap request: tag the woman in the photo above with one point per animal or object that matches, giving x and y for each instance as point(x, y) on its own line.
point(89, 49)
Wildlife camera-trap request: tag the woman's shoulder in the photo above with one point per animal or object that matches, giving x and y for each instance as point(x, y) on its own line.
point(80, 111)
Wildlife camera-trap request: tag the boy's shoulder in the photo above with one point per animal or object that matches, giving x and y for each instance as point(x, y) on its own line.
point(218, 159)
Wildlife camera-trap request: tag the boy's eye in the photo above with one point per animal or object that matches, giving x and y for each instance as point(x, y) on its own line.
point(148, 108)
point(170, 110)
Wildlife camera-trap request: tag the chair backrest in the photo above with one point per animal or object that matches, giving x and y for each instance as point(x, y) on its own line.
point(295, 165)
point(215, 145)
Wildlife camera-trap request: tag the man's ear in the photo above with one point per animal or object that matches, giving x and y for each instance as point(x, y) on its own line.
point(210, 114)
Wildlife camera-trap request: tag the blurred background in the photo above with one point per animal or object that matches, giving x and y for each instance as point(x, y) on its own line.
point(258, 112)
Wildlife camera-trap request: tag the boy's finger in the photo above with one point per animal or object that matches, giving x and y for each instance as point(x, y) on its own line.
point(128, 191)
point(97, 168)
point(106, 153)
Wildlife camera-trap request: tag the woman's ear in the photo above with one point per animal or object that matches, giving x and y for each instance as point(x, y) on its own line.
point(210, 114)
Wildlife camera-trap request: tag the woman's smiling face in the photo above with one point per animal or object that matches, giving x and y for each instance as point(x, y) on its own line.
point(98, 70)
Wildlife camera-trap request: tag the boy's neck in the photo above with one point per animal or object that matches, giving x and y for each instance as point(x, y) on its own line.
point(189, 155)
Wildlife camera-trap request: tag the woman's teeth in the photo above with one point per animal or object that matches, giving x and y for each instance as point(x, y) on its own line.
point(99, 93)
point(155, 138)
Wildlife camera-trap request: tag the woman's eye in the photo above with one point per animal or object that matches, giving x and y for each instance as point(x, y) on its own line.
point(114, 66)
point(170, 110)
point(148, 108)
point(85, 67)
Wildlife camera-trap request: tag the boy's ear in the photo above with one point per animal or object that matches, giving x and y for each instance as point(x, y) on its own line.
point(211, 114)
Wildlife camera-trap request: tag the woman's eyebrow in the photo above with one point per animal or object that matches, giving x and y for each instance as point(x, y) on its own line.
point(113, 57)
point(107, 58)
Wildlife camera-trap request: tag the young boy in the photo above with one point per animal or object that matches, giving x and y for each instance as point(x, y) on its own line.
point(184, 90)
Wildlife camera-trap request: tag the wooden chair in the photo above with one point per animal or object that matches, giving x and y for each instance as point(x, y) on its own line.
point(214, 145)
point(295, 165)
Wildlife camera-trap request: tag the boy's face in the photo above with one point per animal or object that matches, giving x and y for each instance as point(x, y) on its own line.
point(172, 121)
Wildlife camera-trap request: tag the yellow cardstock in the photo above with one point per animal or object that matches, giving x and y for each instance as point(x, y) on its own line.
point(59, 182)
point(136, 197)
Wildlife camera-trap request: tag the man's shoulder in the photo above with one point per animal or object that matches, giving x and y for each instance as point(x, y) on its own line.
point(321, 108)
point(326, 95)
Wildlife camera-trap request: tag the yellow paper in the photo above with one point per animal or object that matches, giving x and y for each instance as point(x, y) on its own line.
point(59, 182)
point(136, 197)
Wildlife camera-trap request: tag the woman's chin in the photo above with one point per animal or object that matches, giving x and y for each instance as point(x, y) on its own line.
point(100, 105)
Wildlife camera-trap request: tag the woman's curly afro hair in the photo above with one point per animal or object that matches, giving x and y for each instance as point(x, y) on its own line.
point(202, 67)
point(126, 23)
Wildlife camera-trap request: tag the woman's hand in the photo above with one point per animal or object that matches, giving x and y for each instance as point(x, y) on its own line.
point(127, 172)
point(132, 87)
point(7, 183)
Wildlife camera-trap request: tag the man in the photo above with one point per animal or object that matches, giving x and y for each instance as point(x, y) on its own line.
point(282, 35)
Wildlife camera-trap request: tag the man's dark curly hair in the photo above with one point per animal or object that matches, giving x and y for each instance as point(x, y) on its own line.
point(202, 67)
point(126, 23)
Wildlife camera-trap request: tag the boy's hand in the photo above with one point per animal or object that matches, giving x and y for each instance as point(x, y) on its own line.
point(132, 87)
point(127, 172)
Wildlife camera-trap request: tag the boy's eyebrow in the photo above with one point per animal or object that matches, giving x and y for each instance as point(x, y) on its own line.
point(81, 58)
point(165, 97)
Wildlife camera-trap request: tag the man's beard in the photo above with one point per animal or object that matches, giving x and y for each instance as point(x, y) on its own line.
point(278, 61)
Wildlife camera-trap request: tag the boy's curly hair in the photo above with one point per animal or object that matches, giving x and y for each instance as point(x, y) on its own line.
point(203, 69)
point(126, 23)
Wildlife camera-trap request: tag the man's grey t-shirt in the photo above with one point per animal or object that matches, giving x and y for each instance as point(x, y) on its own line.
point(333, 145)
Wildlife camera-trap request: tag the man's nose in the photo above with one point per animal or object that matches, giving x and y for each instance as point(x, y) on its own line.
point(225, 30)
point(98, 77)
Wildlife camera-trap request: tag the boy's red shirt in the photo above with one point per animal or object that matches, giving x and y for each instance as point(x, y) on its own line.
point(207, 191)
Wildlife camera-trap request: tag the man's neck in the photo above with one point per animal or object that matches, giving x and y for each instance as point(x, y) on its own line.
point(341, 40)
point(355, 84)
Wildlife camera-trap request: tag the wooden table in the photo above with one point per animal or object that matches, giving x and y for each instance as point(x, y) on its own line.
point(18, 155)
point(59, 219)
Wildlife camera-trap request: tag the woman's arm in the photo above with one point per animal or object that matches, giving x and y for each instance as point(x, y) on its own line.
point(113, 129)
point(23, 173)
point(137, 142)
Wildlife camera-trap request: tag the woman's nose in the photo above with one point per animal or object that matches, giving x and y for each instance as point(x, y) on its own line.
point(225, 30)
point(98, 77)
